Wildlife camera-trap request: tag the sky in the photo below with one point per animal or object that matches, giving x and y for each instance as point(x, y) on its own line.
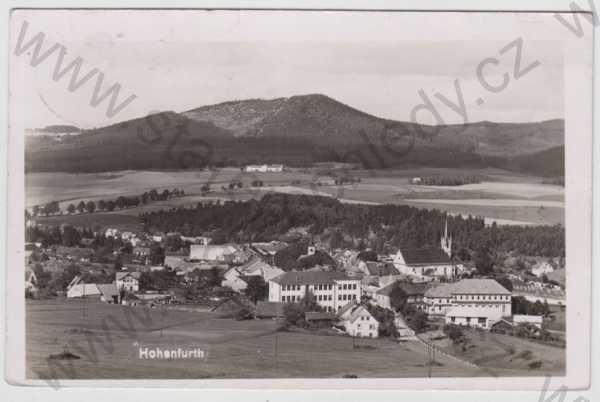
point(385, 64)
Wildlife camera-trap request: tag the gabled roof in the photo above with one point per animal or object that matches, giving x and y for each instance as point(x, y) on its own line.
point(357, 312)
point(310, 277)
point(135, 275)
point(479, 286)
point(444, 290)
point(381, 268)
point(425, 256)
point(411, 289)
point(108, 289)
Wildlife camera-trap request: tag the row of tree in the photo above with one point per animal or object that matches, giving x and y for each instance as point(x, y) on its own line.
point(121, 202)
point(382, 228)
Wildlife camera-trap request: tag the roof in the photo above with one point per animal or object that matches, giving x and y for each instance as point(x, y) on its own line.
point(411, 289)
point(356, 312)
point(135, 274)
point(317, 315)
point(440, 291)
point(310, 277)
point(211, 252)
point(468, 286)
point(479, 286)
point(108, 289)
point(259, 267)
point(381, 268)
point(422, 256)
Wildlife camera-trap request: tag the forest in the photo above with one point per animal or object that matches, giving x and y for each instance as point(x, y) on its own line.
point(383, 228)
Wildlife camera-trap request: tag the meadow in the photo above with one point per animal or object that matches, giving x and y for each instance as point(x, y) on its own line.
point(504, 197)
point(107, 340)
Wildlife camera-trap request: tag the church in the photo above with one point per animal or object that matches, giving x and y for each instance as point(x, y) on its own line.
point(429, 262)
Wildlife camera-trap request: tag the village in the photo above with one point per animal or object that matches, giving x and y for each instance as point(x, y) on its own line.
point(420, 294)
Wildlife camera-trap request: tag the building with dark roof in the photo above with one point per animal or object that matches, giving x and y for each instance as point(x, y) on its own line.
point(415, 294)
point(331, 289)
point(425, 262)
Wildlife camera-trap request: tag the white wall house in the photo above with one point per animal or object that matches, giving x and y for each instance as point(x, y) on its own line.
point(543, 268)
point(475, 302)
point(332, 290)
point(235, 278)
point(264, 168)
point(424, 263)
point(129, 281)
point(357, 321)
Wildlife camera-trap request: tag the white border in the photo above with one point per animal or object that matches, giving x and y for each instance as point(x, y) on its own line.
point(578, 213)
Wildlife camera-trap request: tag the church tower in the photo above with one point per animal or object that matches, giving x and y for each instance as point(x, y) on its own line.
point(446, 241)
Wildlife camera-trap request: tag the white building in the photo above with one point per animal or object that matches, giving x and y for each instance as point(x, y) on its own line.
point(536, 320)
point(332, 290)
point(30, 280)
point(129, 281)
point(543, 268)
point(264, 168)
point(358, 321)
point(425, 263)
point(236, 277)
point(219, 253)
point(476, 302)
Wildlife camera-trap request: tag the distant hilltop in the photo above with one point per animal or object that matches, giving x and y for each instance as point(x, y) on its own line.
point(54, 130)
point(300, 130)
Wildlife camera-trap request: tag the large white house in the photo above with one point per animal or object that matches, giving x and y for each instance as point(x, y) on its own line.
point(332, 290)
point(129, 281)
point(474, 302)
point(425, 263)
point(264, 168)
point(358, 321)
point(236, 277)
point(229, 253)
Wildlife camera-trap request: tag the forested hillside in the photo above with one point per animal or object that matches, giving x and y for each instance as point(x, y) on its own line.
point(381, 227)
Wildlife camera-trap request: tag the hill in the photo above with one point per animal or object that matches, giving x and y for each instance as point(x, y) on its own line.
point(297, 131)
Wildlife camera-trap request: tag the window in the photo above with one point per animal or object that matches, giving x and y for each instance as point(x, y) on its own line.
point(339, 297)
point(453, 319)
point(329, 297)
point(481, 321)
point(468, 320)
point(358, 326)
point(353, 297)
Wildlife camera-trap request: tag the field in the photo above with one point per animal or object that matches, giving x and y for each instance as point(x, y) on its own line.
point(505, 355)
point(234, 349)
point(504, 197)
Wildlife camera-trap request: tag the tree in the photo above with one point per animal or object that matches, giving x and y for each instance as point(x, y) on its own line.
point(398, 298)
point(367, 255)
point(90, 206)
point(81, 206)
point(35, 210)
point(214, 277)
point(110, 205)
point(454, 332)
point(256, 289)
point(70, 236)
point(51, 207)
point(483, 260)
point(101, 205)
point(71, 208)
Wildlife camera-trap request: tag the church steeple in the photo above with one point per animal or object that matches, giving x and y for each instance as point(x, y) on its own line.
point(446, 241)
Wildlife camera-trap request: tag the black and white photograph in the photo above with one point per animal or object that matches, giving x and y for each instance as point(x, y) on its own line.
point(300, 194)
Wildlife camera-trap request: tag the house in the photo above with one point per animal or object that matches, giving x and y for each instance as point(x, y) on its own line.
point(358, 321)
point(264, 168)
point(475, 302)
point(424, 262)
point(502, 326)
point(126, 236)
point(78, 288)
point(111, 232)
point(319, 319)
point(380, 272)
point(543, 268)
point(331, 289)
point(414, 291)
point(108, 293)
point(129, 281)
point(416, 180)
point(236, 277)
point(536, 320)
point(141, 252)
point(30, 280)
point(221, 253)
point(470, 317)
point(82, 254)
point(201, 240)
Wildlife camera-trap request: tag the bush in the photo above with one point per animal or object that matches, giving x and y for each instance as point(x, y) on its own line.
point(535, 365)
point(454, 332)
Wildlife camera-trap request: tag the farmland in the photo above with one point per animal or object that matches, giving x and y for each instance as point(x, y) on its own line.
point(502, 196)
point(235, 349)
